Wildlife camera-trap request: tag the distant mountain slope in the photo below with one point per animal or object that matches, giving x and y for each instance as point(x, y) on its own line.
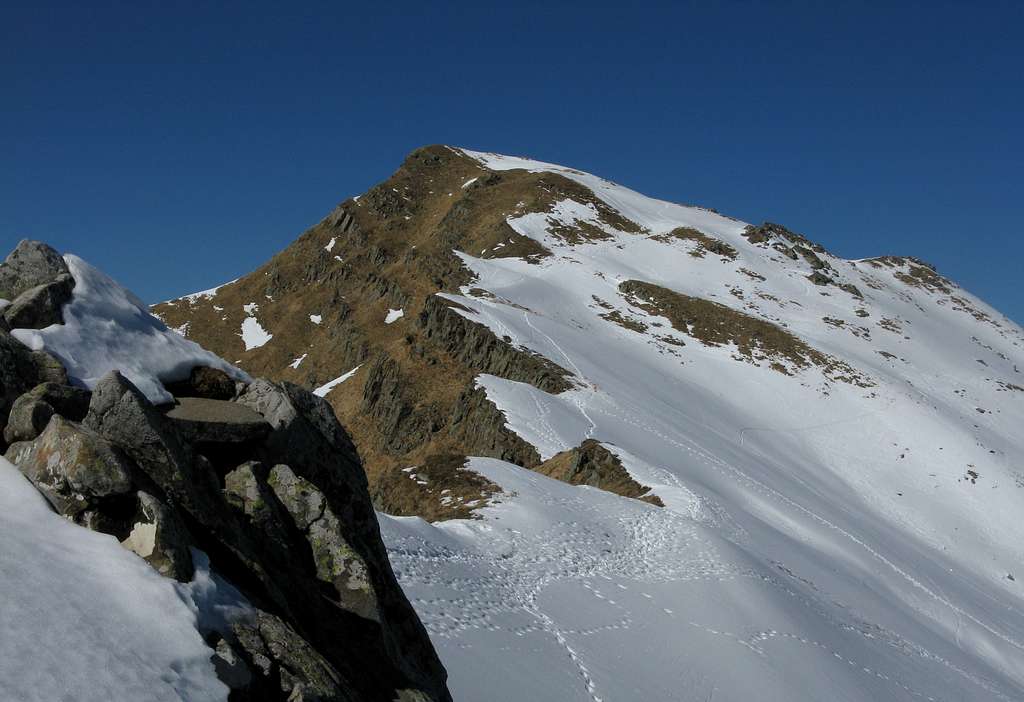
point(836, 443)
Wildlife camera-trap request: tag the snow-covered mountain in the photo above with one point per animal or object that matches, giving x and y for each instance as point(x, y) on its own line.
point(836, 444)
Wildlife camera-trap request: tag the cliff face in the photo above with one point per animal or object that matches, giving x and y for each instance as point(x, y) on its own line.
point(253, 479)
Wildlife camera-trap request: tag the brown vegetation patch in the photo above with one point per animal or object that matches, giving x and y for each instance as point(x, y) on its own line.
point(756, 340)
point(625, 322)
point(437, 489)
point(914, 272)
point(704, 243)
point(592, 464)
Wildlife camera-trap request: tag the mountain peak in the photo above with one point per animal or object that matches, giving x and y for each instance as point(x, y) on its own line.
point(801, 427)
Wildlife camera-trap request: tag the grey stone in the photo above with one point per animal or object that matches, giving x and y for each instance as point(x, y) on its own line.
point(120, 413)
point(216, 421)
point(205, 382)
point(29, 416)
point(49, 369)
point(40, 306)
point(72, 466)
point(278, 652)
point(31, 263)
point(337, 563)
point(32, 411)
point(19, 373)
point(306, 434)
point(158, 535)
point(249, 494)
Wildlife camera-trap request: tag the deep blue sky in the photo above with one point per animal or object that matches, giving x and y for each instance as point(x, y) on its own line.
point(180, 146)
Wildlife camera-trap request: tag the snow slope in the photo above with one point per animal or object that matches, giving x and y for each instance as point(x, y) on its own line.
point(821, 539)
point(85, 619)
point(107, 328)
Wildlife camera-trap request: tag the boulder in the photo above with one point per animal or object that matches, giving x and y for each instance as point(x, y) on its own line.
point(29, 416)
point(72, 466)
point(201, 420)
point(40, 306)
point(158, 535)
point(337, 563)
point(31, 263)
point(205, 382)
point(32, 411)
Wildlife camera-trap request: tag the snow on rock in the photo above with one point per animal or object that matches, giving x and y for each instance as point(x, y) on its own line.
point(85, 619)
point(253, 334)
point(470, 182)
point(327, 387)
point(298, 361)
point(393, 316)
point(330, 244)
point(316, 318)
point(107, 328)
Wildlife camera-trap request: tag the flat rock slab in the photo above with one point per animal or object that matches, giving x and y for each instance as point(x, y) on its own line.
point(216, 421)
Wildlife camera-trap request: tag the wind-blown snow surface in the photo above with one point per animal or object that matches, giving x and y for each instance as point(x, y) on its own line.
point(820, 540)
point(82, 618)
point(107, 328)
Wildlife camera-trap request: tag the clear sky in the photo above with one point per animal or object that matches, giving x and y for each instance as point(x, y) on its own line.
point(179, 145)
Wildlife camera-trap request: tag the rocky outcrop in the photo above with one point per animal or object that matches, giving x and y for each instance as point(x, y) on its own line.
point(476, 346)
point(37, 282)
point(592, 464)
point(258, 478)
point(32, 263)
point(478, 425)
point(76, 469)
point(39, 307)
point(290, 523)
